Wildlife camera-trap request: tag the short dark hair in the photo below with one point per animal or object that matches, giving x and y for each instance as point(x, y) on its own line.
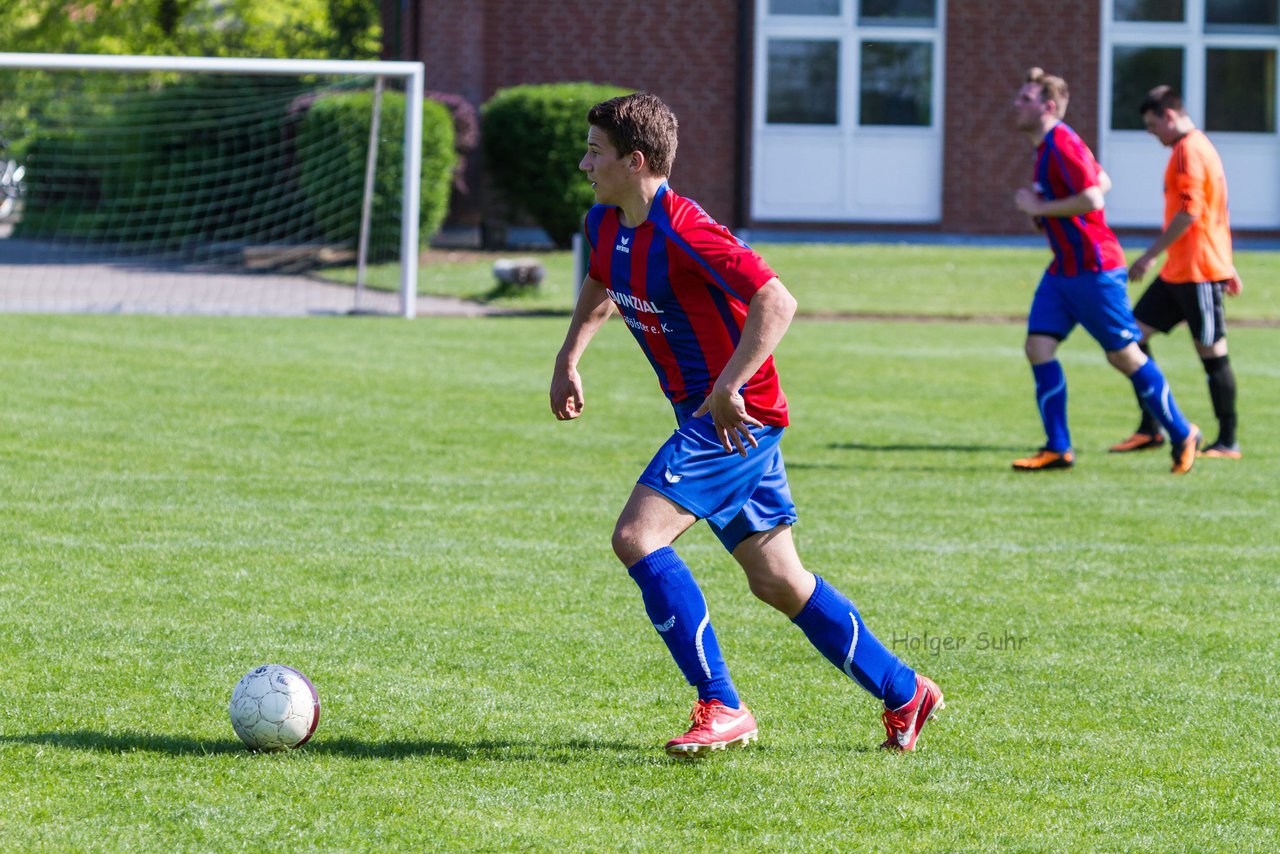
point(1159, 99)
point(641, 122)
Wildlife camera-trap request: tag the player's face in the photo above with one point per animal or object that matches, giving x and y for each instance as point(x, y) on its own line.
point(1028, 108)
point(606, 169)
point(1162, 124)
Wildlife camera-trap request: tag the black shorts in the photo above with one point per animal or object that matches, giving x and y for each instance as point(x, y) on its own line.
point(1166, 304)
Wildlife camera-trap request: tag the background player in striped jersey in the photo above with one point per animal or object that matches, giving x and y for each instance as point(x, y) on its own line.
point(1197, 270)
point(1086, 283)
point(708, 312)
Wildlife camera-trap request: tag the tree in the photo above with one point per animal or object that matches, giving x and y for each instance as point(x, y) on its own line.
point(305, 29)
point(298, 29)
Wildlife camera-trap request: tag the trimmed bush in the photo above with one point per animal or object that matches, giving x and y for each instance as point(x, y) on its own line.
point(339, 126)
point(534, 138)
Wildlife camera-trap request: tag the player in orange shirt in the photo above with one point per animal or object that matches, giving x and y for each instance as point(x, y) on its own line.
point(1198, 269)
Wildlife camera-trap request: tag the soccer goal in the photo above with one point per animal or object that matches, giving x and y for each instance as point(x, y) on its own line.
point(209, 185)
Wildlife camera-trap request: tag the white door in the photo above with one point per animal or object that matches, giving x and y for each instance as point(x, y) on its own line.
point(848, 111)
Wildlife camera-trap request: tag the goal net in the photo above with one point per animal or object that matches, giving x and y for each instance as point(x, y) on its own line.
point(209, 186)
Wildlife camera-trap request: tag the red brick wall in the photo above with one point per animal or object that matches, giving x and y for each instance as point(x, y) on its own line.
point(990, 46)
point(686, 53)
point(449, 36)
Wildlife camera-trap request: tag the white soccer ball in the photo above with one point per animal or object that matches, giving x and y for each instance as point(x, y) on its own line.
point(274, 708)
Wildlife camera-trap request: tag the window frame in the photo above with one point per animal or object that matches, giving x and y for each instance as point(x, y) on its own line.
point(850, 35)
point(1196, 40)
point(836, 173)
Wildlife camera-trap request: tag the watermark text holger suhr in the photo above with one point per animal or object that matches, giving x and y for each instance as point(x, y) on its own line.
point(1007, 641)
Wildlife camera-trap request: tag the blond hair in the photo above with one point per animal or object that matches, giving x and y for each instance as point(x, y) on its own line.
point(1052, 88)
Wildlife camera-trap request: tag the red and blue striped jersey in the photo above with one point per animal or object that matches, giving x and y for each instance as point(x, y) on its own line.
point(1065, 166)
point(682, 283)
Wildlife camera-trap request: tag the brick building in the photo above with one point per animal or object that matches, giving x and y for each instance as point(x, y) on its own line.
point(854, 114)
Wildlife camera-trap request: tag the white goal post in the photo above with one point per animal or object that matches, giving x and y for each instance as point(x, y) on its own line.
point(411, 73)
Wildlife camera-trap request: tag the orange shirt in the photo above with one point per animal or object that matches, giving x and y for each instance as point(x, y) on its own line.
point(1195, 182)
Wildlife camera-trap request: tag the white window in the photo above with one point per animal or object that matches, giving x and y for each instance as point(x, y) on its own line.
point(1221, 55)
point(848, 111)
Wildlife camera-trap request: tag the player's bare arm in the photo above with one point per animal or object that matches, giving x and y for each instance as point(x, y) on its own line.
point(1086, 201)
point(1234, 285)
point(1177, 227)
point(589, 314)
point(768, 316)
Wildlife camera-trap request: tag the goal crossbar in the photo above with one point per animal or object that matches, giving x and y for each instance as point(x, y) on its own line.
point(411, 72)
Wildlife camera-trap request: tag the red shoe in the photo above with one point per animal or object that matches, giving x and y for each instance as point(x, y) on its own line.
point(903, 725)
point(1138, 442)
point(715, 727)
point(1184, 452)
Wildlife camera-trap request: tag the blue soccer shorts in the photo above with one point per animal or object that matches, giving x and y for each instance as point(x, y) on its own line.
point(738, 496)
point(1097, 301)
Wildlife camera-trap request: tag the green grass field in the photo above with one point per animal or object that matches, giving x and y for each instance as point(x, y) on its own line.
point(841, 279)
point(390, 507)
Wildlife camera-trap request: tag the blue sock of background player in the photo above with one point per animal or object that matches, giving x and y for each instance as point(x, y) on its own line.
point(1153, 390)
point(1051, 397)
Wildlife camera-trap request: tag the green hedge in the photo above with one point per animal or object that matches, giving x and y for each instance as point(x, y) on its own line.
point(341, 122)
point(534, 138)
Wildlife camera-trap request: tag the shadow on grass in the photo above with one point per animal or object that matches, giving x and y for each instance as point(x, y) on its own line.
point(481, 750)
point(946, 449)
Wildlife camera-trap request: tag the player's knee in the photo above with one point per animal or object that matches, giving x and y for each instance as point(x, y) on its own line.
point(776, 590)
point(1128, 359)
point(1216, 350)
point(766, 588)
point(1039, 348)
point(630, 543)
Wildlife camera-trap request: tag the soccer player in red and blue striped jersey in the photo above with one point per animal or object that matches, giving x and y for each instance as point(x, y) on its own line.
point(1086, 283)
point(708, 312)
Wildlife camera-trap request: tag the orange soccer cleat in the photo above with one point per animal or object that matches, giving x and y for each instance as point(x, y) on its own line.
point(1138, 442)
point(1045, 459)
point(1184, 452)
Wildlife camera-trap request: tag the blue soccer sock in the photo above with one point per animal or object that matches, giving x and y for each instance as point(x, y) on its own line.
point(1051, 397)
point(677, 609)
point(835, 627)
point(1153, 390)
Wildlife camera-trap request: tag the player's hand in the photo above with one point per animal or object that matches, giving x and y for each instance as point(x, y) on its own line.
point(1233, 286)
point(733, 424)
point(1028, 201)
point(1138, 269)
point(566, 394)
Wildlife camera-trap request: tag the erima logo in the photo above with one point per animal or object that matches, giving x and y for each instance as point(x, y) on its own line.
point(628, 301)
point(666, 627)
point(622, 245)
point(672, 478)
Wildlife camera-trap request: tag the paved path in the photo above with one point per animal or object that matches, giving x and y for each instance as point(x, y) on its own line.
point(40, 277)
